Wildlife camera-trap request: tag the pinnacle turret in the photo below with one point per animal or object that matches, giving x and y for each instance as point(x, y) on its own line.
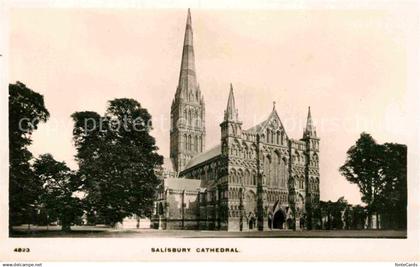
point(231, 113)
point(310, 130)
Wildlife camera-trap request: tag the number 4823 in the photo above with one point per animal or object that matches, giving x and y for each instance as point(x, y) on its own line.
point(22, 250)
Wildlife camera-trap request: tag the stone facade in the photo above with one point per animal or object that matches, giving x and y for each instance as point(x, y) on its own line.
point(256, 179)
point(177, 203)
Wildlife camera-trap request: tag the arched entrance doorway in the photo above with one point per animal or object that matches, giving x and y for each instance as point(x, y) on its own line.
point(278, 219)
point(250, 206)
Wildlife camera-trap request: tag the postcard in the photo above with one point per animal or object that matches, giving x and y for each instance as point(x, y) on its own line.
point(155, 131)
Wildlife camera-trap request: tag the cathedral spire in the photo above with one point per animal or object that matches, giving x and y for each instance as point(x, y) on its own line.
point(231, 113)
point(310, 129)
point(187, 77)
point(188, 131)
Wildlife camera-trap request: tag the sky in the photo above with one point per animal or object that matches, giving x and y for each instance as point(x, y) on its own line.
point(349, 66)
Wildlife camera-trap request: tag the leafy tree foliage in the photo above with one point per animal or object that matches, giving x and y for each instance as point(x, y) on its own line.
point(26, 111)
point(380, 171)
point(393, 202)
point(332, 213)
point(341, 215)
point(358, 217)
point(117, 157)
point(57, 197)
point(361, 168)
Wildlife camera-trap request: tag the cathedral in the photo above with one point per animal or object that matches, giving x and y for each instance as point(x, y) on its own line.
point(255, 179)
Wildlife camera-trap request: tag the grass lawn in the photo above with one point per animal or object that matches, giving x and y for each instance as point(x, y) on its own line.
point(98, 231)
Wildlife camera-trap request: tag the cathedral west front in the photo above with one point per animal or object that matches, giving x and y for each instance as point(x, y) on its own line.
point(257, 178)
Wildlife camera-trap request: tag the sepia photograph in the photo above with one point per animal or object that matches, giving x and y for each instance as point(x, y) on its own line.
point(233, 126)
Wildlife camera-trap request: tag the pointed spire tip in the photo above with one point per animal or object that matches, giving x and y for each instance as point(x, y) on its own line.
point(187, 78)
point(310, 129)
point(231, 113)
point(189, 17)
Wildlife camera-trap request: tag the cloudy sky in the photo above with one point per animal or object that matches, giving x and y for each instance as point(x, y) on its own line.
point(350, 66)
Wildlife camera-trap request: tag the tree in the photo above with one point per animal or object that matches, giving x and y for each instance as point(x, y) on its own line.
point(59, 185)
point(358, 217)
point(26, 111)
point(117, 158)
point(324, 213)
point(333, 213)
point(338, 214)
point(348, 217)
point(338, 209)
point(393, 201)
point(380, 171)
point(361, 167)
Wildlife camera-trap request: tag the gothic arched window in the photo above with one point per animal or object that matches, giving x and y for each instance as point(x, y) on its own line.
point(189, 142)
point(245, 156)
point(275, 165)
point(189, 117)
point(195, 118)
point(185, 115)
point(282, 172)
point(247, 177)
point(240, 176)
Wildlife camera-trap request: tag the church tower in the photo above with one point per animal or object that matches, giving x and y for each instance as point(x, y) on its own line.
point(311, 170)
point(231, 126)
point(188, 133)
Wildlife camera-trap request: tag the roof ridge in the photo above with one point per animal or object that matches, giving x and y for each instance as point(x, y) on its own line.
point(199, 158)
